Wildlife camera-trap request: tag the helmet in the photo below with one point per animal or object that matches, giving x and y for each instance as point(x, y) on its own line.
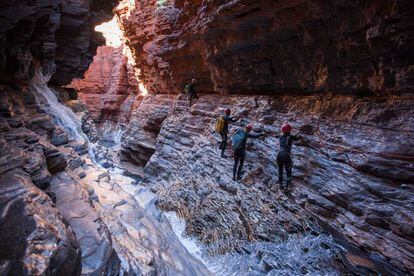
point(228, 111)
point(286, 128)
point(249, 127)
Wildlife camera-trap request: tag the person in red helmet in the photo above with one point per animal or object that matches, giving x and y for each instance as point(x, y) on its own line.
point(284, 159)
point(239, 147)
point(225, 131)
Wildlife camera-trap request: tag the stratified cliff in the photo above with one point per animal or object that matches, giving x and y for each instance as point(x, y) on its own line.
point(273, 47)
point(57, 35)
point(36, 236)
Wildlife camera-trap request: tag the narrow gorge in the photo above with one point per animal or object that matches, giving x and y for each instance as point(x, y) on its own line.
point(106, 169)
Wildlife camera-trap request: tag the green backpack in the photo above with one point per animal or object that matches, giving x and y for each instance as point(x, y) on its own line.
point(187, 88)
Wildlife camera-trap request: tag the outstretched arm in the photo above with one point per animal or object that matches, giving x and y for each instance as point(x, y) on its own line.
point(258, 135)
point(234, 119)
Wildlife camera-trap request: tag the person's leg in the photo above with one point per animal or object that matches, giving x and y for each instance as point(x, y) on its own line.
point(190, 99)
point(236, 161)
point(223, 143)
point(288, 172)
point(239, 172)
point(280, 166)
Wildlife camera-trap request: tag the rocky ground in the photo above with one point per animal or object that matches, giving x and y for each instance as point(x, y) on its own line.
point(64, 214)
point(79, 198)
point(348, 172)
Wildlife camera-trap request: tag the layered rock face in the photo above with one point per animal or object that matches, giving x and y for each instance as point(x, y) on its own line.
point(58, 36)
point(35, 239)
point(273, 47)
point(109, 87)
point(352, 171)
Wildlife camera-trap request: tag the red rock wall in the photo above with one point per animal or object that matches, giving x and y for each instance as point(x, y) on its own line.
point(108, 84)
point(264, 46)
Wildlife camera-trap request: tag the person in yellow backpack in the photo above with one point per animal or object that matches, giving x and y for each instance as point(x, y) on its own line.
point(225, 130)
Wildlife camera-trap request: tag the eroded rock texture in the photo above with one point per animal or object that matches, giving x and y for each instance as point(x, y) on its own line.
point(349, 171)
point(256, 47)
point(38, 242)
point(58, 35)
point(109, 85)
point(48, 225)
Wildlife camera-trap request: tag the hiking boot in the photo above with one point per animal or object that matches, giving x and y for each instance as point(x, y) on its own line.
point(234, 178)
point(223, 155)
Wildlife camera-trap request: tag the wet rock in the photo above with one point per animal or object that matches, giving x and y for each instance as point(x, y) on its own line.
point(33, 236)
point(56, 161)
point(41, 124)
point(92, 235)
point(59, 137)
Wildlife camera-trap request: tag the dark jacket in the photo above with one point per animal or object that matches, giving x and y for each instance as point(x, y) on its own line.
point(285, 142)
point(227, 121)
point(246, 136)
point(191, 90)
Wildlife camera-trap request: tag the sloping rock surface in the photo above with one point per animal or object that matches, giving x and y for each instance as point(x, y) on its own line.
point(34, 239)
point(349, 171)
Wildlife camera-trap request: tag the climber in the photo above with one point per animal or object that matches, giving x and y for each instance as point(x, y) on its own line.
point(283, 157)
point(190, 91)
point(227, 119)
point(239, 146)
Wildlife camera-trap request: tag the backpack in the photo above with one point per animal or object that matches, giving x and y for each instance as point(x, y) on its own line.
point(187, 88)
point(220, 124)
point(238, 139)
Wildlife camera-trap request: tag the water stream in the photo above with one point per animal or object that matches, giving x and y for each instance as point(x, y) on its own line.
point(299, 255)
point(296, 256)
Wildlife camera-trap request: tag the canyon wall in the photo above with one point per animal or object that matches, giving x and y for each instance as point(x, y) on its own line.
point(272, 47)
point(109, 87)
point(58, 36)
point(353, 168)
point(36, 236)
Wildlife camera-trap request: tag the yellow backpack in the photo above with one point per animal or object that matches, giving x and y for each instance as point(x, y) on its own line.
point(220, 124)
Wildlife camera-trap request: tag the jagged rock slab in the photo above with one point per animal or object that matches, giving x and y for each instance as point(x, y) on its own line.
point(141, 236)
point(353, 170)
point(34, 239)
point(92, 235)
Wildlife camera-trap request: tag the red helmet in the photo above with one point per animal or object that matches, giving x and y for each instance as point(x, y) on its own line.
point(228, 111)
point(286, 128)
point(249, 127)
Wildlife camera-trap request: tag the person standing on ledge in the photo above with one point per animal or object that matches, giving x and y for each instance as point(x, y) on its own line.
point(227, 119)
point(239, 147)
point(190, 91)
point(283, 157)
